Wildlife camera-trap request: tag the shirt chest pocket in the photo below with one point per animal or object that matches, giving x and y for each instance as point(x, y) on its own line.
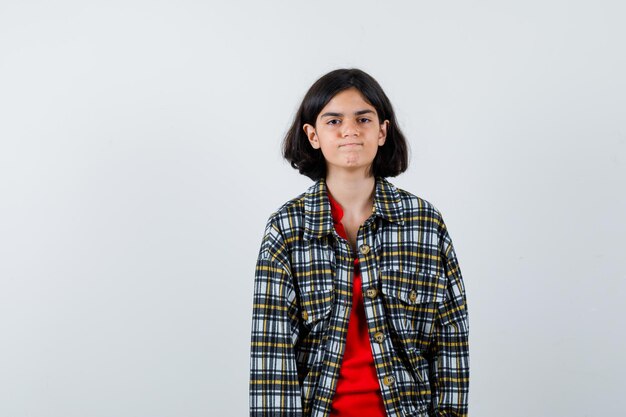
point(411, 301)
point(315, 311)
point(315, 306)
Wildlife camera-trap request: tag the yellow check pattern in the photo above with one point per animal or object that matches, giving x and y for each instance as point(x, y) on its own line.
point(414, 300)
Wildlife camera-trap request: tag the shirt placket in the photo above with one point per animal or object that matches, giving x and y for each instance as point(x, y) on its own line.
point(338, 326)
point(368, 244)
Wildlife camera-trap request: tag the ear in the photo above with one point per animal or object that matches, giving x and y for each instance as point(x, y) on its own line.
point(382, 133)
point(311, 135)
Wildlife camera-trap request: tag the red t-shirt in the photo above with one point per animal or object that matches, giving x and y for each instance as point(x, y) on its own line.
point(358, 392)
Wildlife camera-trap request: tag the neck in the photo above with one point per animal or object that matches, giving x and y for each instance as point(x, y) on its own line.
point(354, 193)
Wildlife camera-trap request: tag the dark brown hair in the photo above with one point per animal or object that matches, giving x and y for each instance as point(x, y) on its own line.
point(391, 158)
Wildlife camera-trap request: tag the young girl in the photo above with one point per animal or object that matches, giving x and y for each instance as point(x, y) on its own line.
point(359, 303)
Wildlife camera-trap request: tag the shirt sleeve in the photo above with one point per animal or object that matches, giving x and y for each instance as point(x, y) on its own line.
point(274, 386)
point(450, 354)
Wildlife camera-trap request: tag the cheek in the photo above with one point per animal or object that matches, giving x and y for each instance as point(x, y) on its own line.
point(326, 149)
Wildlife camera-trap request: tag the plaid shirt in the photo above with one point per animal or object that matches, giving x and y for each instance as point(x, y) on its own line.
point(414, 300)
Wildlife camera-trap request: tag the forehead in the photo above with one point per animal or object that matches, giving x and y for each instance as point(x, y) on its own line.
point(348, 99)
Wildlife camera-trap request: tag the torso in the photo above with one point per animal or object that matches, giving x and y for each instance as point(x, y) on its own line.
point(358, 390)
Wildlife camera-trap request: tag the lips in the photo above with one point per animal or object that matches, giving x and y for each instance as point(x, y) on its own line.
point(350, 144)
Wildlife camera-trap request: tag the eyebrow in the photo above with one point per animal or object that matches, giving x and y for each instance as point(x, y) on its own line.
point(356, 113)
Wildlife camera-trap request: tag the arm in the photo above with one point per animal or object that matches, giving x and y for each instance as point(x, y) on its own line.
point(274, 386)
point(450, 355)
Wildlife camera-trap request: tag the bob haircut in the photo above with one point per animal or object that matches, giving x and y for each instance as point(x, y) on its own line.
point(391, 159)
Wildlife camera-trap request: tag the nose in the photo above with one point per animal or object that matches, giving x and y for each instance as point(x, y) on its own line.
point(350, 128)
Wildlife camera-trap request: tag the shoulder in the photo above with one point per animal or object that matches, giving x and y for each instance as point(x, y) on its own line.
point(416, 206)
point(282, 225)
point(288, 215)
point(424, 221)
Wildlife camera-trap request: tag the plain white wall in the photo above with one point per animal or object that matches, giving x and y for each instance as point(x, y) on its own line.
point(140, 159)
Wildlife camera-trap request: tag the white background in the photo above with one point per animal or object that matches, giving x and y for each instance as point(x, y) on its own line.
point(140, 159)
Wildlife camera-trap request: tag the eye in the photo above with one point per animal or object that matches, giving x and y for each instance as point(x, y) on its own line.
point(364, 120)
point(331, 121)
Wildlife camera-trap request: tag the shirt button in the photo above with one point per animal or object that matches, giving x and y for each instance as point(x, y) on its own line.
point(371, 292)
point(389, 380)
point(365, 249)
point(413, 295)
point(305, 315)
point(379, 337)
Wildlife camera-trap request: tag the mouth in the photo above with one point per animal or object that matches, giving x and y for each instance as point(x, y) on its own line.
point(350, 144)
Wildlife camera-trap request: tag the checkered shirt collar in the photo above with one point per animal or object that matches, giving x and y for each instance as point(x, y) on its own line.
point(318, 220)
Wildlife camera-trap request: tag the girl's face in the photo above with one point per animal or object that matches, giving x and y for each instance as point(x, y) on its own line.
point(348, 132)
